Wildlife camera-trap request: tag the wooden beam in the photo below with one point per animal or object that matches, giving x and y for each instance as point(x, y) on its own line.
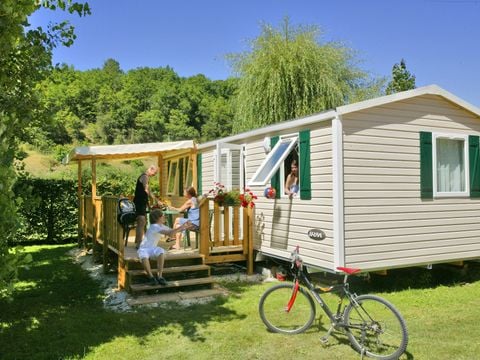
point(160, 174)
point(193, 166)
point(94, 178)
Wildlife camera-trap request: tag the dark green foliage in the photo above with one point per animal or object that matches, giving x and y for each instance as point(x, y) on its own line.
point(25, 59)
point(109, 106)
point(402, 79)
point(48, 212)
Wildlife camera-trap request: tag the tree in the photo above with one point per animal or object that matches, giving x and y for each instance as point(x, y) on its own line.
point(402, 79)
point(288, 73)
point(25, 59)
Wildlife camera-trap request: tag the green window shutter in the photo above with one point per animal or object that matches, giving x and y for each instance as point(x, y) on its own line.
point(305, 169)
point(473, 154)
point(275, 181)
point(199, 173)
point(426, 166)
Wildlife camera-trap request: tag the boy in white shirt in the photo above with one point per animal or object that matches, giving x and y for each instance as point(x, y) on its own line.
point(148, 248)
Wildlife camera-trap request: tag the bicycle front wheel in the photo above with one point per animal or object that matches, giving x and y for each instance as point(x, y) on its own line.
point(273, 309)
point(376, 328)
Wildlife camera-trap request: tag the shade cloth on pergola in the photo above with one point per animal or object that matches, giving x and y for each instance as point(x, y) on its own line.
point(128, 151)
point(125, 151)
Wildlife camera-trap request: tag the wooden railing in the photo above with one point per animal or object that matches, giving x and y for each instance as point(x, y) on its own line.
point(226, 233)
point(88, 215)
point(99, 222)
point(112, 235)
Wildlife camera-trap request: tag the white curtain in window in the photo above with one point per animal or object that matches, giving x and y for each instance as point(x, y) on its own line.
point(450, 165)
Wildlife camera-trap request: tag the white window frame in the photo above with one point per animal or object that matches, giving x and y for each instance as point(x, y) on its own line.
point(175, 181)
point(226, 149)
point(450, 136)
point(283, 174)
point(277, 165)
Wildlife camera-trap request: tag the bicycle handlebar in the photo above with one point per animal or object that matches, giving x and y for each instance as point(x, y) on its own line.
point(296, 260)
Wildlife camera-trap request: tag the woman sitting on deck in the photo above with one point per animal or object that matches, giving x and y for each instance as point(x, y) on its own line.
point(192, 222)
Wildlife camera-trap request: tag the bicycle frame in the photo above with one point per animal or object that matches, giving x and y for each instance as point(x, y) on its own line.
point(301, 277)
point(357, 316)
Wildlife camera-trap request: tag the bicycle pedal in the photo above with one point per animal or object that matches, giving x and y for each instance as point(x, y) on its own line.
point(324, 340)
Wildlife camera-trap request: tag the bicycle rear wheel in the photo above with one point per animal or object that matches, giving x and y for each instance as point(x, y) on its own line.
point(273, 305)
point(376, 328)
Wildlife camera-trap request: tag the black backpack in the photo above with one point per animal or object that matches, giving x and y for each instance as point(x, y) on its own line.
point(126, 216)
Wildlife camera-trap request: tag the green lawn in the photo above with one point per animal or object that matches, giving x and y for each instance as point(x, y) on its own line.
point(57, 313)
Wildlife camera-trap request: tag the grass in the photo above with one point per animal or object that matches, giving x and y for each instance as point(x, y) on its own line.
point(57, 313)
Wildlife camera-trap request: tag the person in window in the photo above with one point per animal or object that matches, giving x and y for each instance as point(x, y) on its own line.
point(142, 193)
point(192, 222)
point(291, 183)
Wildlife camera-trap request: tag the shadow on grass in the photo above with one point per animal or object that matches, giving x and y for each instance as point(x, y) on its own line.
point(408, 278)
point(57, 312)
point(419, 278)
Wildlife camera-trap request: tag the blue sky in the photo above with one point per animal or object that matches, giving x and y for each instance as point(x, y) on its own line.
point(439, 39)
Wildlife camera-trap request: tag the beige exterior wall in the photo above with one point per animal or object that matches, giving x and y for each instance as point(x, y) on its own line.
point(387, 224)
point(281, 224)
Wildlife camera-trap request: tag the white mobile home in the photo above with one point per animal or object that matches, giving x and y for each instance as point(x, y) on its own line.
point(389, 182)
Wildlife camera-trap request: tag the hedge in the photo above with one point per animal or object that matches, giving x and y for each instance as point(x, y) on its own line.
point(47, 211)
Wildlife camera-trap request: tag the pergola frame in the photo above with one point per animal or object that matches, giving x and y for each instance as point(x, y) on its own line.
point(124, 152)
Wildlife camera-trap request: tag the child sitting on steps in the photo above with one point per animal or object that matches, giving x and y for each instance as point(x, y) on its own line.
point(149, 250)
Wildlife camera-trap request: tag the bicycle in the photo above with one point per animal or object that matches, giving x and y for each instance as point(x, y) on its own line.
point(373, 325)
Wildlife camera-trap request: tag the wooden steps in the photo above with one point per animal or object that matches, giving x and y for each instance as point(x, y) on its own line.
point(177, 296)
point(228, 253)
point(173, 284)
point(186, 273)
point(172, 270)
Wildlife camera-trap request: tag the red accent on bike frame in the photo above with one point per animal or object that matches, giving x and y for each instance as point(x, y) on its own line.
point(293, 297)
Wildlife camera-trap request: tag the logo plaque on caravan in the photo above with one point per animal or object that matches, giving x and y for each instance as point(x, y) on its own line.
point(316, 234)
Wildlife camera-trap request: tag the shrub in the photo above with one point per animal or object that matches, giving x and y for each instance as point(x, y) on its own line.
point(47, 211)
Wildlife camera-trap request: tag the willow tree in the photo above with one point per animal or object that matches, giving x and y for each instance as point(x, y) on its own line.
point(288, 73)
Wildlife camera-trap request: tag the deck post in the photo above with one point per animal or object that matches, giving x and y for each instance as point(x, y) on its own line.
point(122, 271)
point(250, 241)
point(204, 228)
point(81, 241)
point(105, 235)
point(94, 207)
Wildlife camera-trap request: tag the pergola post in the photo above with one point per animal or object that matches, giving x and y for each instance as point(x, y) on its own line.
point(80, 204)
point(94, 195)
point(160, 169)
point(193, 162)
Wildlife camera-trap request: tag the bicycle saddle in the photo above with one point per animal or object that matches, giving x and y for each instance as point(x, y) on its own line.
point(349, 271)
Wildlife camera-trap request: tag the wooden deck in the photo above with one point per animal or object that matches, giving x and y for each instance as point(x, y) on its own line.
point(225, 235)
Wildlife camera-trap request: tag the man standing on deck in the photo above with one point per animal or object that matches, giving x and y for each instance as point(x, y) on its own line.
point(142, 192)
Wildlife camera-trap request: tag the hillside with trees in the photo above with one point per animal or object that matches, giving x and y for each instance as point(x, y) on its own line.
point(111, 106)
